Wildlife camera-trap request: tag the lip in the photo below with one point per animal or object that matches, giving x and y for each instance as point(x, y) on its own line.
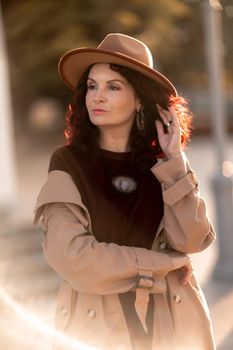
point(98, 111)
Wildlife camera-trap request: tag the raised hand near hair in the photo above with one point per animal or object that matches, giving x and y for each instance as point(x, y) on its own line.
point(170, 141)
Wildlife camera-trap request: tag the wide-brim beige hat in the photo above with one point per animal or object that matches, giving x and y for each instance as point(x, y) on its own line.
point(115, 48)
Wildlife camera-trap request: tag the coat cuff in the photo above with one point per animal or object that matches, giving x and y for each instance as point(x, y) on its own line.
point(156, 264)
point(170, 171)
point(180, 189)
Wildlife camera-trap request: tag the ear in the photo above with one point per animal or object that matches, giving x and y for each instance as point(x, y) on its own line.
point(138, 104)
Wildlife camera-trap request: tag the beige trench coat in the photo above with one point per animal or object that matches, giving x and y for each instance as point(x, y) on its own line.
point(94, 273)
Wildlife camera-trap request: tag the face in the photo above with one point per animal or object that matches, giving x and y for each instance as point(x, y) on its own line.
point(111, 101)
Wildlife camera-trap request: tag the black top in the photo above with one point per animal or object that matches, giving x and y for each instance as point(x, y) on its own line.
point(121, 218)
point(129, 219)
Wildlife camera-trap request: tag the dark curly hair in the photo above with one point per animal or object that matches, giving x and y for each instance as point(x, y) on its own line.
point(84, 135)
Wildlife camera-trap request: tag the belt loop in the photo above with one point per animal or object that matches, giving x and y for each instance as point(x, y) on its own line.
point(144, 284)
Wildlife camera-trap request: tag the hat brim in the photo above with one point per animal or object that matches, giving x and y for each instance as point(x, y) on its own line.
point(74, 63)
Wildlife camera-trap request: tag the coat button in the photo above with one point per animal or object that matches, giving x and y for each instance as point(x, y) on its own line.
point(177, 299)
point(63, 311)
point(162, 246)
point(91, 313)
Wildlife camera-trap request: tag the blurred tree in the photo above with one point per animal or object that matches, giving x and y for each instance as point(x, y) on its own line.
point(39, 32)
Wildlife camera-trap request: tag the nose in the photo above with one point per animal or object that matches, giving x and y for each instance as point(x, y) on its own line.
point(99, 95)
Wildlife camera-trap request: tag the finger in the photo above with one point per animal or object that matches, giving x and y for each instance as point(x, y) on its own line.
point(176, 128)
point(163, 114)
point(187, 274)
point(167, 118)
point(167, 123)
point(159, 127)
point(169, 126)
point(174, 116)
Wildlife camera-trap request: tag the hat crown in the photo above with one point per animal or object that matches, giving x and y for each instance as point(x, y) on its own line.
point(115, 48)
point(127, 46)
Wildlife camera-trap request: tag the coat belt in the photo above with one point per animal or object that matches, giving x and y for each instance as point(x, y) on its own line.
point(161, 340)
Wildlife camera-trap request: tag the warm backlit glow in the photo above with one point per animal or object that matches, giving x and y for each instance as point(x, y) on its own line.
point(40, 325)
point(223, 321)
point(216, 5)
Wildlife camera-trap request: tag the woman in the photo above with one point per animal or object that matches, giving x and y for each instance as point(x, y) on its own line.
point(121, 207)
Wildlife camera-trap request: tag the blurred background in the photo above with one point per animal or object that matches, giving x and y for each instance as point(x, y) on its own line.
point(191, 42)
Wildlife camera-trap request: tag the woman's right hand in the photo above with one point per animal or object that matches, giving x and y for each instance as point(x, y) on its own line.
point(184, 263)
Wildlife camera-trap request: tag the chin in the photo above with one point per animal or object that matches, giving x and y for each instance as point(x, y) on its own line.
point(100, 122)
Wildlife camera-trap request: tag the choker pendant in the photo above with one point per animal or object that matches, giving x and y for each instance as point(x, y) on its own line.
point(124, 184)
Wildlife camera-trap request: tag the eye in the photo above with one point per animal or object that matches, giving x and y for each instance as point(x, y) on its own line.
point(91, 86)
point(114, 87)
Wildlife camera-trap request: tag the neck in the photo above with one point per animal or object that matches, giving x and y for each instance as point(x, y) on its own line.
point(113, 141)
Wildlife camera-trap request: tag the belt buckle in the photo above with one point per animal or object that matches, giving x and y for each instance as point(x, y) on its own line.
point(147, 282)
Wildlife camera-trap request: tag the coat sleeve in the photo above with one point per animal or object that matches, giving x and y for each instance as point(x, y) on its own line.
point(186, 222)
point(72, 251)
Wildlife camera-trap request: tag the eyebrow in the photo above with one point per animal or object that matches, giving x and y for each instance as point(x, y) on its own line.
point(109, 81)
